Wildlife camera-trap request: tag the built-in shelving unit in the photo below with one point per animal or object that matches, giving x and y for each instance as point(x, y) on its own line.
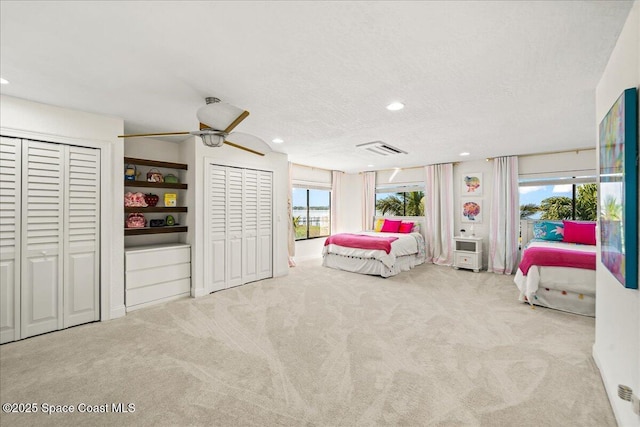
point(178, 228)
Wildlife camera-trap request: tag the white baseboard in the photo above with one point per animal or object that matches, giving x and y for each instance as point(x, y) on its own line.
point(200, 292)
point(622, 409)
point(119, 311)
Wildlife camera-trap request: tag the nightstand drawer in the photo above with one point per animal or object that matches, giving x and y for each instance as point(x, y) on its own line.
point(466, 260)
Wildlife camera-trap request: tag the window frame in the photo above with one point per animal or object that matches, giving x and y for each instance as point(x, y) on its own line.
point(308, 188)
point(403, 189)
point(574, 181)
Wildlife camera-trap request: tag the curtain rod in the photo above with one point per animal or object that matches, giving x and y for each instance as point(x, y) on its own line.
point(315, 167)
point(576, 150)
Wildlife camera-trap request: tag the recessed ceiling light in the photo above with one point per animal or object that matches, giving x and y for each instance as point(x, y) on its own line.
point(277, 140)
point(369, 166)
point(4, 81)
point(395, 106)
point(464, 154)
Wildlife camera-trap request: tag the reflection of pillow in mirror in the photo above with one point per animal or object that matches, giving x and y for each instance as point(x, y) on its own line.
point(548, 230)
point(378, 224)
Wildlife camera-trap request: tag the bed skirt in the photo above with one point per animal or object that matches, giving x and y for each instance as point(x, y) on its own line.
point(371, 266)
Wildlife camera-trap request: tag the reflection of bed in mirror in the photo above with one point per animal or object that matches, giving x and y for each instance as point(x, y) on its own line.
point(380, 253)
point(557, 269)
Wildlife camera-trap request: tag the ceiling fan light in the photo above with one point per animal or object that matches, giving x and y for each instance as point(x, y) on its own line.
point(212, 140)
point(218, 115)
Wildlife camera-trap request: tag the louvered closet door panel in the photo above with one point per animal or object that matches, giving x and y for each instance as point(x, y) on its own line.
point(265, 225)
point(217, 226)
point(10, 239)
point(82, 236)
point(234, 227)
point(250, 226)
point(42, 231)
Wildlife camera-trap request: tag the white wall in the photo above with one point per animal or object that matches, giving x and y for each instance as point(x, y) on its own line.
point(617, 343)
point(460, 170)
point(26, 119)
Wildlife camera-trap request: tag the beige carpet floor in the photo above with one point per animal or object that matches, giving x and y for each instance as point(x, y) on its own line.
point(321, 347)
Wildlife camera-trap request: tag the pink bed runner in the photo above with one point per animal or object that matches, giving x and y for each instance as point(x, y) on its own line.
point(557, 258)
point(361, 242)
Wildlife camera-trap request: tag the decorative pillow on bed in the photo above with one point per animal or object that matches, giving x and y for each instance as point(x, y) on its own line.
point(580, 232)
point(548, 230)
point(415, 228)
point(378, 224)
point(391, 226)
point(405, 227)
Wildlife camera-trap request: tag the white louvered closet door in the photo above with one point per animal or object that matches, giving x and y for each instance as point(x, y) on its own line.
point(250, 226)
point(265, 225)
point(10, 208)
point(217, 228)
point(82, 236)
point(42, 237)
point(234, 226)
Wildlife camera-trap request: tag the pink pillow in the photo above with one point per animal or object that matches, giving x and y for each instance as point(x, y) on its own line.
point(391, 226)
point(405, 227)
point(579, 232)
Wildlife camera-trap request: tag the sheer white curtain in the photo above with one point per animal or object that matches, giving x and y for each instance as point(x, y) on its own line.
point(368, 199)
point(439, 213)
point(336, 191)
point(291, 237)
point(505, 216)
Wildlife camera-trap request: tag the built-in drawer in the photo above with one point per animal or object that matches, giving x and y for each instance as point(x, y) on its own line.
point(139, 259)
point(158, 292)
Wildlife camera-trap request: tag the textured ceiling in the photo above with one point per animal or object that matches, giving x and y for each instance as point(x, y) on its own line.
point(490, 78)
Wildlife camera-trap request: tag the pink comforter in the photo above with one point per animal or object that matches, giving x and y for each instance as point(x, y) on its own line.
point(556, 258)
point(361, 242)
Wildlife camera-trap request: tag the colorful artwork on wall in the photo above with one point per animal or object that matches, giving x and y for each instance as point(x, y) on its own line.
point(471, 211)
point(619, 189)
point(472, 184)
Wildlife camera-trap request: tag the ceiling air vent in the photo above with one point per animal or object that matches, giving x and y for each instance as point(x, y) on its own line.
point(380, 148)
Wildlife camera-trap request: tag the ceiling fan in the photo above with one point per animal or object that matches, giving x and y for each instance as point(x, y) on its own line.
point(217, 120)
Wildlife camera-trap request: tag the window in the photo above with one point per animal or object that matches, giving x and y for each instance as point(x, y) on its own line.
point(559, 198)
point(311, 212)
point(406, 200)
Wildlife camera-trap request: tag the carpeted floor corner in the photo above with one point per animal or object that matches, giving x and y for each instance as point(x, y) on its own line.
point(430, 347)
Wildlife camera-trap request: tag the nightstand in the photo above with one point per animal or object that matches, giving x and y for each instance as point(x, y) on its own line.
point(467, 253)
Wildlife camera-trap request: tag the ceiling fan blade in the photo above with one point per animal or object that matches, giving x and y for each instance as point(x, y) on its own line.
point(233, 144)
point(146, 135)
point(237, 121)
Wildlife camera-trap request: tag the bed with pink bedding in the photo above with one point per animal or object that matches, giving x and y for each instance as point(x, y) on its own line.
point(558, 275)
point(377, 253)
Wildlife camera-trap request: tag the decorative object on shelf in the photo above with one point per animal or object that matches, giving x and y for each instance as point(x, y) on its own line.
point(170, 220)
point(154, 175)
point(472, 232)
point(472, 184)
point(134, 200)
point(136, 220)
point(151, 199)
point(156, 223)
point(170, 199)
point(130, 172)
point(171, 179)
point(462, 231)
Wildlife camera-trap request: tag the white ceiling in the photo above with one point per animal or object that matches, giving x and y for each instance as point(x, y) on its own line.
point(490, 78)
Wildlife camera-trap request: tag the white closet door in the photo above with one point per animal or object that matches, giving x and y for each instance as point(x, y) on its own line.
point(82, 236)
point(234, 227)
point(217, 228)
point(10, 208)
point(43, 174)
point(250, 226)
point(265, 225)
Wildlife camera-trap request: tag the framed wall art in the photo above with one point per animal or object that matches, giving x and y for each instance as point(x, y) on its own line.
point(472, 184)
point(618, 176)
point(471, 211)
